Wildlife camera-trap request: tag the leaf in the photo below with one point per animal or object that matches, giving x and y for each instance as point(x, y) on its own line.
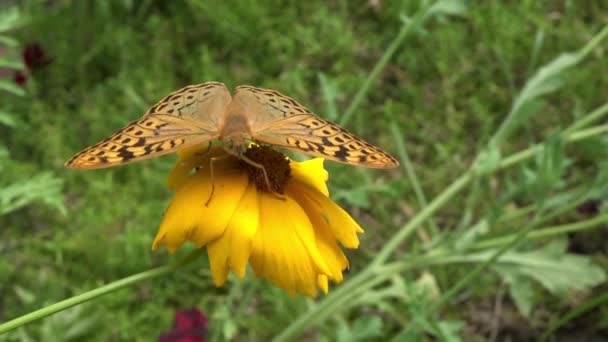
point(9, 19)
point(487, 161)
point(330, 94)
point(366, 327)
point(450, 330)
point(11, 87)
point(554, 268)
point(8, 41)
point(363, 329)
point(11, 63)
point(360, 196)
point(25, 296)
point(520, 289)
point(73, 324)
point(43, 188)
point(427, 285)
point(471, 235)
point(7, 119)
point(548, 167)
point(546, 80)
point(449, 7)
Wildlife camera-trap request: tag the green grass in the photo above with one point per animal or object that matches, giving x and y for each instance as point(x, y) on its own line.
point(442, 96)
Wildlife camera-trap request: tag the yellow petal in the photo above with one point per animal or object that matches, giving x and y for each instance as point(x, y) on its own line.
point(284, 247)
point(329, 249)
point(191, 158)
point(188, 219)
point(233, 248)
point(316, 204)
point(322, 283)
point(312, 173)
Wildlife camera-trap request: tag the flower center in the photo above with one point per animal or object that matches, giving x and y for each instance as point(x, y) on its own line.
point(272, 170)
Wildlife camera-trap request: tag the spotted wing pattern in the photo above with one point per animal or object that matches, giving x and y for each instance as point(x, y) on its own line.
point(189, 116)
point(279, 120)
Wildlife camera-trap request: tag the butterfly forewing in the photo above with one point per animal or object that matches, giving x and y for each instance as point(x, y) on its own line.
point(189, 116)
point(279, 120)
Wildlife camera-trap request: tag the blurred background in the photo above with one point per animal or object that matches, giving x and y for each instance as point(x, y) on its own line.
point(73, 72)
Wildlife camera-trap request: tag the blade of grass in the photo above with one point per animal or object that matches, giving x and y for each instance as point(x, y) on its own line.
point(406, 29)
point(411, 175)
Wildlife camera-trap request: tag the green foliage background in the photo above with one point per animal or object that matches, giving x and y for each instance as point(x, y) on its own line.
point(437, 102)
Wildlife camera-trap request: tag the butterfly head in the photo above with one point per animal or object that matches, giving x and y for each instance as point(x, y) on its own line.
point(236, 144)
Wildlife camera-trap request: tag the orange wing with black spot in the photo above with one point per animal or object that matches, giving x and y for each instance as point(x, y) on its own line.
point(279, 120)
point(189, 116)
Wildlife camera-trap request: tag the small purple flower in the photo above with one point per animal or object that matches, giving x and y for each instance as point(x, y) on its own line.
point(590, 207)
point(189, 326)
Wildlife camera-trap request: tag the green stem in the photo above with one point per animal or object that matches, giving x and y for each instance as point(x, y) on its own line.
point(546, 232)
point(573, 314)
point(411, 175)
point(422, 216)
point(100, 291)
point(588, 119)
point(325, 307)
point(407, 27)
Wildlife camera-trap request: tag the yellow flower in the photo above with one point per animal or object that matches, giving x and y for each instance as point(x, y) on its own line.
point(290, 235)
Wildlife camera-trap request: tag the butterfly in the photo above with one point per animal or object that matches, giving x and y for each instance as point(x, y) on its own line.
point(201, 113)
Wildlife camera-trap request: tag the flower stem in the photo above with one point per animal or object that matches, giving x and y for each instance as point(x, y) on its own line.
point(546, 232)
point(421, 217)
point(100, 291)
point(324, 308)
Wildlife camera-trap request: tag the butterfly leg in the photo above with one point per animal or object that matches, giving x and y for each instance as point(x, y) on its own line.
point(266, 179)
point(202, 154)
point(212, 174)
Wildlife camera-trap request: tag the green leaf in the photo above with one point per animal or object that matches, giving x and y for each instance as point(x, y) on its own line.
point(546, 80)
point(427, 285)
point(366, 327)
point(487, 161)
point(554, 268)
point(470, 236)
point(9, 19)
point(11, 63)
point(43, 188)
point(25, 296)
point(360, 197)
point(330, 95)
point(8, 41)
point(363, 329)
point(450, 330)
point(73, 324)
point(7, 119)
point(449, 7)
point(520, 290)
point(11, 87)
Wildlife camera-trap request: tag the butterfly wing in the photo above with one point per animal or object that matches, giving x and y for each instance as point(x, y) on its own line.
point(279, 120)
point(186, 117)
